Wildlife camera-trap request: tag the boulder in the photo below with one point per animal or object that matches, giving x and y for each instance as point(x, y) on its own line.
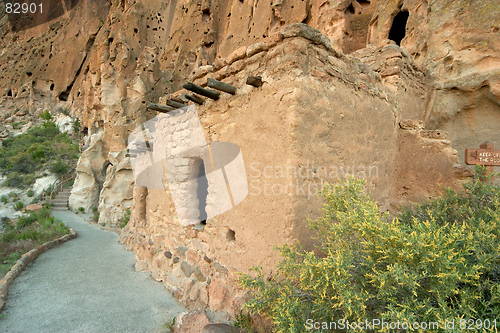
point(33, 208)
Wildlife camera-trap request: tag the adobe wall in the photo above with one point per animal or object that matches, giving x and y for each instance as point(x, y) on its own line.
point(318, 116)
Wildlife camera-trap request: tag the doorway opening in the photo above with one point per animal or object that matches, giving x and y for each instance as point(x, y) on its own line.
point(398, 29)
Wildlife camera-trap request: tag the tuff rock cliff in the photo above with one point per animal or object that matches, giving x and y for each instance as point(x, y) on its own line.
point(402, 86)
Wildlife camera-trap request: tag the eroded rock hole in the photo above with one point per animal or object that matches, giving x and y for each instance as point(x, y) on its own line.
point(398, 29)
point(350, 10)
point(206, 15)
point(52, 87)
point(65, 94)
point(202, 191)
point(9, 93)
point(105, 167)
point(230, 235)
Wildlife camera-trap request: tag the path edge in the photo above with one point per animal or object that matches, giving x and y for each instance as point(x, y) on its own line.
point(25, 260)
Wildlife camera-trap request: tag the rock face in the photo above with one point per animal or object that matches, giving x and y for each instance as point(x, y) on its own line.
point(392, 91)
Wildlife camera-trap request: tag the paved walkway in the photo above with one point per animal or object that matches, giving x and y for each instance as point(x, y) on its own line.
point(88, 284)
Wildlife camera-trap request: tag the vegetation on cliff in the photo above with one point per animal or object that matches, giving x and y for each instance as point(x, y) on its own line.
point(21, 235)
point(437, 262)
point(41, 148)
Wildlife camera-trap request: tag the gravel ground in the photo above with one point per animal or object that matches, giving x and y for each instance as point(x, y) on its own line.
point(88, 284)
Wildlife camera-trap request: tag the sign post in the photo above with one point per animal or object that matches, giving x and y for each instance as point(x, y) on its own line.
point(485, 155)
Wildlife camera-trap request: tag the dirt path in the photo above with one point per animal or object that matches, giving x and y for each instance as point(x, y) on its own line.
point(88, 284)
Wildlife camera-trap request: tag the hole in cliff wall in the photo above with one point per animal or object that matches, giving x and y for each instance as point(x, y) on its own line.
point(105, 167)
point(350, 10)
point(9, 93)
point(206, 15)
point(202, 191)
point(52, 87)
point(230, 235)
point(65, 94)
point(357, 22)
point(398, 29)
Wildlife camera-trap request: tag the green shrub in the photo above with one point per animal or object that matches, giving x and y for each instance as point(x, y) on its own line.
point(33, 216)
point(62, 110)
point(76, 126)
point(37, 151)
point(5, 222)
point(59, 167)
point(18, 205)
point(27, 153)
point(126, 218)
point(46, 116)
point(4, 199)
point(18, 125)
point(28, 179)
point(30, 193)
point(15, 179)
point(30, 234)
point(81, 209)
point(439, 260)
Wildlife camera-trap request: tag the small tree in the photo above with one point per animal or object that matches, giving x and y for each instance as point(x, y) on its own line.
point(46, 116)
point(438, 261)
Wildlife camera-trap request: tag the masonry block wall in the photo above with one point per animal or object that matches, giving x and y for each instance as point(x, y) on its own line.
point(319, 117)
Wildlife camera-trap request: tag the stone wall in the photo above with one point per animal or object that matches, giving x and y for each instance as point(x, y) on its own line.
point(320, 116)
point(333, 103)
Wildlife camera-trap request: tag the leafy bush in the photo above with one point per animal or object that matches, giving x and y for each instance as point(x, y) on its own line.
point(25, 154)
point(30, 193)
point(4, 199)
point(62, 110)
point(28, 232)
point(59, 167)
point(439, 260)
point(46, 115)
point(14, 180)
point(81, 209)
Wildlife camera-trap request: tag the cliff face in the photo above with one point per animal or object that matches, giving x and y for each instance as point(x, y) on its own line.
point(401, 86)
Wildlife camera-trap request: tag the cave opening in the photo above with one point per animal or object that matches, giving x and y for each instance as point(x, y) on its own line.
point(65, 94)
point(398, 28)
point(202, 191)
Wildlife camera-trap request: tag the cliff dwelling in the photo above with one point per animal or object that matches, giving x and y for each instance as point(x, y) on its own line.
point(390, 91)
